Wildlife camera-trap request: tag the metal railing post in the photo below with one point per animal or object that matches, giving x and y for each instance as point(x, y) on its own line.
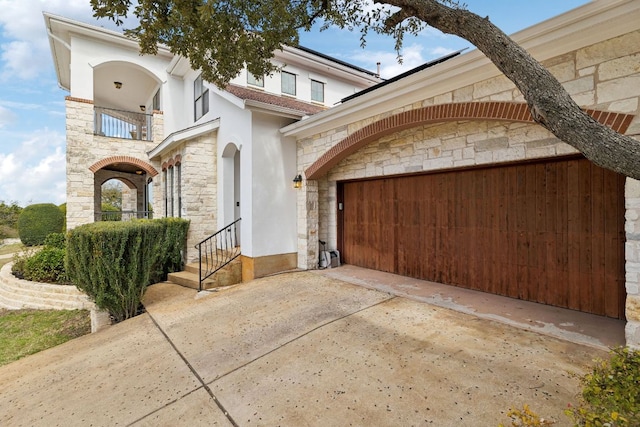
point(225, 251)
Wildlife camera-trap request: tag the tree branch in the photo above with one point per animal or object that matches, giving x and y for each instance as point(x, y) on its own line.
point(550, 104)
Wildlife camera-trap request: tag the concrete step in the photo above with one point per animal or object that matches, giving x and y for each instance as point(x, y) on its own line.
point(229, 275)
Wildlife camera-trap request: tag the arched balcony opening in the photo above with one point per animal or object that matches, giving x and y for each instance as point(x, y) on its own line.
point(125, 96)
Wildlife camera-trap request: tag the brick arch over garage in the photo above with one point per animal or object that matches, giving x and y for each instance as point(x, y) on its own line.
point(506, 111)
point(150, 170)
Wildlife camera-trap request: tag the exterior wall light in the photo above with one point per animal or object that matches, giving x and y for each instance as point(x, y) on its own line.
point(297, 181)
point(143, 108)
point(118, 85)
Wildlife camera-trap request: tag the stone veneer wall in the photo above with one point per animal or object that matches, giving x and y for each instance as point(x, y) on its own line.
point(85, 149)
point(605, 76)
point(632, 267)
point(199, 188)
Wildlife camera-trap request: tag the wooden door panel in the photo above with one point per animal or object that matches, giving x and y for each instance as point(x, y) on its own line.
point(550, 232)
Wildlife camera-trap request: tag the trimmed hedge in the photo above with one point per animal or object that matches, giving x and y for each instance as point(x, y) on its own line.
point(114, 262)
point(37, 221)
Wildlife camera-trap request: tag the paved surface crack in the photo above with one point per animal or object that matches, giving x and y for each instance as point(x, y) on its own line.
point(195, 373)
point(303, 335)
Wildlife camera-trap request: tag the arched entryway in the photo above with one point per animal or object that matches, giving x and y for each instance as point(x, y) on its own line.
point(136, 177)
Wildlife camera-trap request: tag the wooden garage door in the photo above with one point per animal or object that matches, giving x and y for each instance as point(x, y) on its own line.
point(549, 232)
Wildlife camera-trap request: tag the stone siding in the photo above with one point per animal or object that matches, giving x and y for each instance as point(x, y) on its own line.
point(632, 256)
point(84, 150)
point(605, 77)
point(199, 188)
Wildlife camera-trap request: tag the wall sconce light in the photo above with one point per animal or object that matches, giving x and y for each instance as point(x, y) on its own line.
point(118, 85)
point(297, 181)
point(143, 108)
point(139, 172)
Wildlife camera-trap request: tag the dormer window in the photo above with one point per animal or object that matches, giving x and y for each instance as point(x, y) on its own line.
point(288, 83)
point(255, 81)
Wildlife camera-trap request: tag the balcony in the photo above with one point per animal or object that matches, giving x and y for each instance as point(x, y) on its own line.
point(122, 124)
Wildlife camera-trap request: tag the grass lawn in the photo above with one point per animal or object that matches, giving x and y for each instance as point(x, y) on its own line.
point(25, 332)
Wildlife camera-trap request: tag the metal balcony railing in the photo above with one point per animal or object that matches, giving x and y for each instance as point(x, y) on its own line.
point(122, 124)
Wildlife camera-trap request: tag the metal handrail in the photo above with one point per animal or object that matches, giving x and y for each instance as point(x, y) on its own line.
point(218, 250)
point(122, 124)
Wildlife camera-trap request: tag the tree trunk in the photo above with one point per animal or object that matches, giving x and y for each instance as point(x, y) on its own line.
point(550, 104)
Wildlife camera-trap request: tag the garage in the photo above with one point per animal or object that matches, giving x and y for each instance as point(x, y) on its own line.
point(549, 231)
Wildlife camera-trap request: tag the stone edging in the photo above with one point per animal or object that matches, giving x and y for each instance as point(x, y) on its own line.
point(17, 293)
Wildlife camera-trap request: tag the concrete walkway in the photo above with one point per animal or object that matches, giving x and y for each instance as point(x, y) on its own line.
point(298, 349)
point(8, 242)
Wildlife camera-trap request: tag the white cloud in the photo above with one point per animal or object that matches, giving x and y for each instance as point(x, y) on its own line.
point(35, 171)
point(25, 49)
point(413, 56)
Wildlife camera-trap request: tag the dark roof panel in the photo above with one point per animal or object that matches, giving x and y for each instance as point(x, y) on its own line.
point(405, 74)
point(337, 61)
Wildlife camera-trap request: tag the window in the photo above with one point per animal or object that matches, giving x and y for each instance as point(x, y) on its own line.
point(179, 188)
point(156, 101)
point(166, 193)
point(201, 98)
point(171, 192)
point(317, 91)
point(288, 83)
point(255, 81)
point(172, 187)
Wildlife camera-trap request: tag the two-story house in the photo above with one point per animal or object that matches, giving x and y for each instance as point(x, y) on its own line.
point(185, 147)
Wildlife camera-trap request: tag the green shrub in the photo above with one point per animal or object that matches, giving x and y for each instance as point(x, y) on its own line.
point(36, 222)
point(9, 214)
point(525, 417)
point(46, 265)
point(56, 240)
point(43, 265)
point(19, 263)
point(63, 209)
point(172, 248)
point(114, 262)
point(610, 392)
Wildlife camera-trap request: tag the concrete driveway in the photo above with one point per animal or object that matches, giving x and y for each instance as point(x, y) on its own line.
point(298, 349)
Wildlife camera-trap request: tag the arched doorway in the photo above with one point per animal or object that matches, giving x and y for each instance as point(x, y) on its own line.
point(131, 178)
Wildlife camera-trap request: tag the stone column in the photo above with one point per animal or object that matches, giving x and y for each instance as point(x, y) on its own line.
point(79, 121)
point(308, 214)
point(156, 199)
point(632, 256)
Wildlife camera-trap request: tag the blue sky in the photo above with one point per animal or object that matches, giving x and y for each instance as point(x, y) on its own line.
point(32, 140)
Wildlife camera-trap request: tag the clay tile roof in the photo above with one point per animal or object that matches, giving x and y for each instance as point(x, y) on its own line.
point(305, 108)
